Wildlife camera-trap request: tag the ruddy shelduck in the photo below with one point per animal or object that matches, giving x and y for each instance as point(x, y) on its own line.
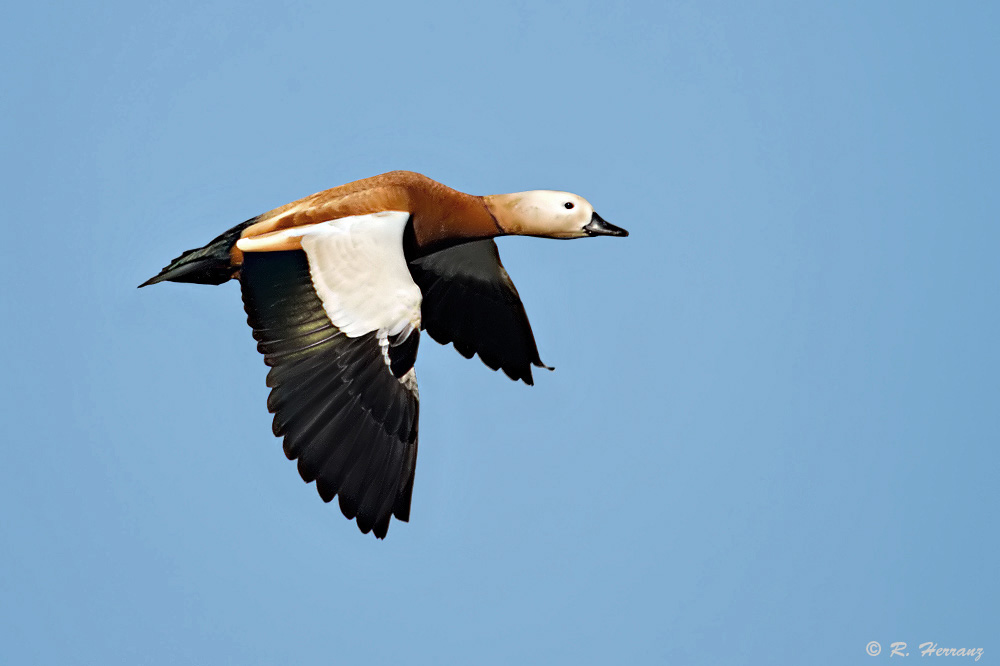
point(337, 287)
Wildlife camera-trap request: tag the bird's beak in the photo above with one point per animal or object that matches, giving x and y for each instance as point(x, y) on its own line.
point(598, 226)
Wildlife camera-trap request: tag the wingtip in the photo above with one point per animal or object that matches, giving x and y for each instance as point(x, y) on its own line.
point(528, 378)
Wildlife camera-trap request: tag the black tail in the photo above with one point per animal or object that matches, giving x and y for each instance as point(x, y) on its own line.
point(205, 265)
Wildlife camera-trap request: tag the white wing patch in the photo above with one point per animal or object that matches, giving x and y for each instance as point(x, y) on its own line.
point(359, 272)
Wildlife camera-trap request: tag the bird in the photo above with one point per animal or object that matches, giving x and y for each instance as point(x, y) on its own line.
point(337, 288)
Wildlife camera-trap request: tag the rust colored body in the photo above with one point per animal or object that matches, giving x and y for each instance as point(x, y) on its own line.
point(440, 214)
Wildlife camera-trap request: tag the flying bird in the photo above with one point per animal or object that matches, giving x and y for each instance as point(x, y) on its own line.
point(337, 287)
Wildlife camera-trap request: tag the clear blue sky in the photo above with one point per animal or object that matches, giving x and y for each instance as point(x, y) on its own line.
point(772, 432)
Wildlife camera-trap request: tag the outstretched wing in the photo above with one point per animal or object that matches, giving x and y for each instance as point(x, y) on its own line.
point(470, 300)
point(340, 329)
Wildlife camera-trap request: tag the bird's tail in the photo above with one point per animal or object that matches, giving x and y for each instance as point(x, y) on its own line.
point(204, 265)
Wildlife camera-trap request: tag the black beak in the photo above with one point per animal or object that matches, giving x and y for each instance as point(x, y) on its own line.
point(598, 226)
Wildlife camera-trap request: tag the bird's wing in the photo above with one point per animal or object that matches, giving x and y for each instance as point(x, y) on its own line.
point(338, 323)
point(470, 300)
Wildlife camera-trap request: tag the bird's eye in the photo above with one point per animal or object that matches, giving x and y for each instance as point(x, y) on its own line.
point(568, 204)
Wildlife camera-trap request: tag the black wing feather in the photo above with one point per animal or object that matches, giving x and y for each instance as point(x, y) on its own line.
point(347, 416)
point(470, 300)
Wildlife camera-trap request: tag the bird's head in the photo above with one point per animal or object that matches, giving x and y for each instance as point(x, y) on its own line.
point(549, 214)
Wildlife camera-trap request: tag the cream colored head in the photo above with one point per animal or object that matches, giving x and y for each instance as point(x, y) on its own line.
point(548, 214)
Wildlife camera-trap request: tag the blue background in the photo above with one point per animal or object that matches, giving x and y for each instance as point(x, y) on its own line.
point(772, 432)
